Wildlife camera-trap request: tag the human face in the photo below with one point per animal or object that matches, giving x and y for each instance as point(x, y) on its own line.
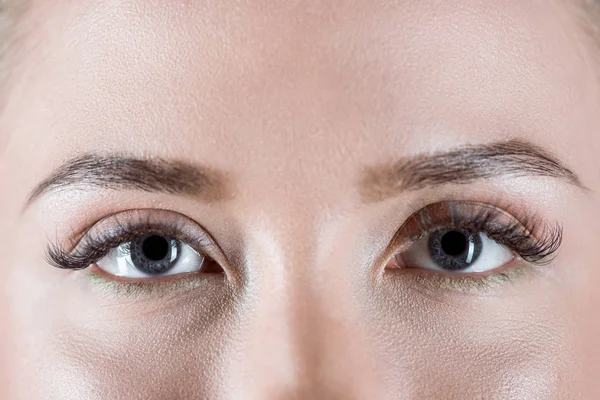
point(290, 143)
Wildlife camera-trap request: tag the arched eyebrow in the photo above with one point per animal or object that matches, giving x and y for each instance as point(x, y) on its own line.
point(459, 166)
point(516, 158)
point(115, 172)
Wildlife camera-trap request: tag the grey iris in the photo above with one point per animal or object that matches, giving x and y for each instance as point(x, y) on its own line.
point(454, 250)
point(154, 254)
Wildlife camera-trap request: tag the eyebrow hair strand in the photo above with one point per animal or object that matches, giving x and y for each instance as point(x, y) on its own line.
point(116, 172)
point(515, 158)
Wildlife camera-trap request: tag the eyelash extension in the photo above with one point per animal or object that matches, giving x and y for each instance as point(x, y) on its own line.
point(95, 246)
point(530, 237)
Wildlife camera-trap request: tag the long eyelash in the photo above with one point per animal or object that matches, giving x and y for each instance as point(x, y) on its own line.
point(531, 238)
point(95, 246)
point(89, 251)
point(531, 249)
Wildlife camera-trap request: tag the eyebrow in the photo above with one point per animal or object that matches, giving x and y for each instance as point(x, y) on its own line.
point(114, 172)
point(516, 158)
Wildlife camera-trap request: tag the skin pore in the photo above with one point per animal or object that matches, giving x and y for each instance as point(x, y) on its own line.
point(302, 147)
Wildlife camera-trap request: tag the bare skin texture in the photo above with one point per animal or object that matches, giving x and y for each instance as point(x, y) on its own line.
point(296, 112)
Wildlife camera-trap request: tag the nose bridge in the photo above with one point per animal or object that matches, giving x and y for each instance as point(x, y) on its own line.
point(284, 331)
point(300, 339)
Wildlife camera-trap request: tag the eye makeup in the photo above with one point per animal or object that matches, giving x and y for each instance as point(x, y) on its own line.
point(112, 286)
point(125, 227)
point(533, 241)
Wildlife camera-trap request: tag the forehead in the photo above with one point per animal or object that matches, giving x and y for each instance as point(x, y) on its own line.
point(336, 82)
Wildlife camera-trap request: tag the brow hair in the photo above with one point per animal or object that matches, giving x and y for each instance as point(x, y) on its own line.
point(114, 172)
point(515, 158)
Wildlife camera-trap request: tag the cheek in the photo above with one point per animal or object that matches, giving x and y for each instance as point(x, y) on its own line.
point(579, 281)
point(461, 346)
point(82, 344)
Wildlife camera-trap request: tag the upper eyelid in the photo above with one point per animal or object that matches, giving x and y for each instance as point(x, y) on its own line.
point(467, 212)
point(148, 218)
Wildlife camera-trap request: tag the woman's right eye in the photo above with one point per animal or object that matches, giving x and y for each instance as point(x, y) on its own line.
point(152, 256)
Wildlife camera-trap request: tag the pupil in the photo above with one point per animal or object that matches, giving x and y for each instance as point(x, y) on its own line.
point(455, 250)
point(454, 243)
point(155, 248)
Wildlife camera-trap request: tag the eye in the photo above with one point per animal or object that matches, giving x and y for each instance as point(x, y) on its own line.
point(456, 251)
point(151, 256)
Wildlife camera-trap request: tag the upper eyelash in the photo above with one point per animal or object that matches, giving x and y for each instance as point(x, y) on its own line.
point(519, 236)
point(530, 237)
point(88, 252)
point(93, 247)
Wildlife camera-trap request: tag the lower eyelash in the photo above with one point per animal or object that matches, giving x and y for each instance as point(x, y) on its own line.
point(142, 288)
point(466, 284)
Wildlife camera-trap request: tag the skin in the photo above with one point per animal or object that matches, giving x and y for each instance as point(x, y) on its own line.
point(291, 101)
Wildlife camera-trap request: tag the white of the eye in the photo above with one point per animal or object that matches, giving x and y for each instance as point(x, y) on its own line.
point(493, 255)
point(118, 263)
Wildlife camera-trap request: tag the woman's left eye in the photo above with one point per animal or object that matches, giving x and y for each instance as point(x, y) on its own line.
point(151, 256)
point(456, 251)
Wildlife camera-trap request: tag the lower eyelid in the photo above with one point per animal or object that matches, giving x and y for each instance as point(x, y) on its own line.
point(434, 283)
point(111, 286)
